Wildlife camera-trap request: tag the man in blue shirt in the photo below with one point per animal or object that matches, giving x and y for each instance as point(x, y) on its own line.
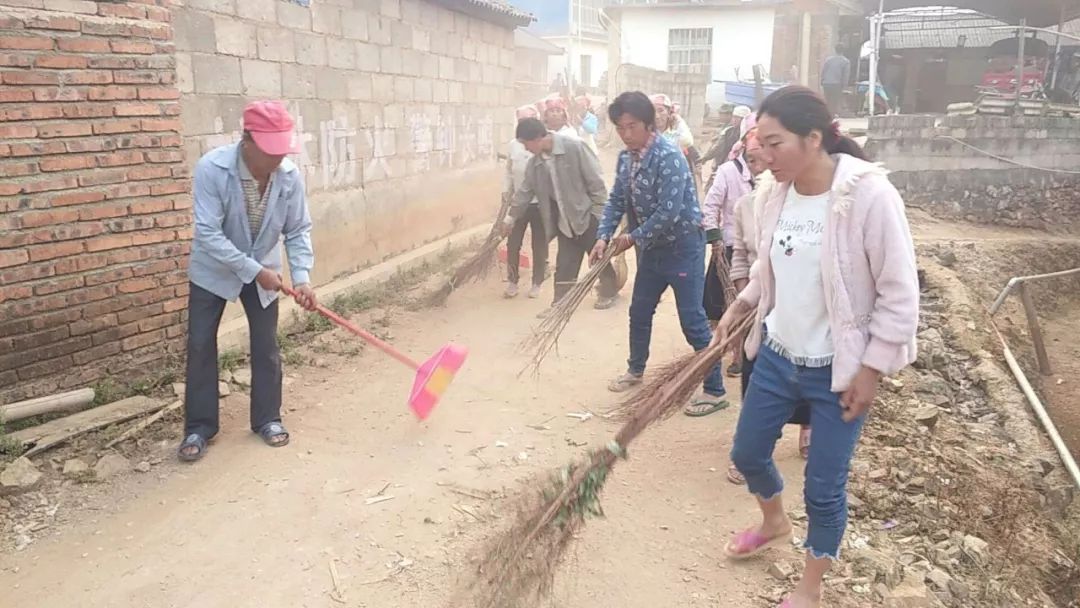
point(655, 191)
point(247, 196)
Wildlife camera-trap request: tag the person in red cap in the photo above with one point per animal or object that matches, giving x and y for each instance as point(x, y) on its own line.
point(247, 197)
point(556, 118)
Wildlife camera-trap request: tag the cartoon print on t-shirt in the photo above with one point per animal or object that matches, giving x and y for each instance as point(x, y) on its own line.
point(788, 243)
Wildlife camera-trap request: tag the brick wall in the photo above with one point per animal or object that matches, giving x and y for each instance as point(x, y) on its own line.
point(935, 166)
point(95, 219)
point(402, 106)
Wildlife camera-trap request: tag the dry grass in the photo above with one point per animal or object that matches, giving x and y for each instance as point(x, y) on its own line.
point(518, 566)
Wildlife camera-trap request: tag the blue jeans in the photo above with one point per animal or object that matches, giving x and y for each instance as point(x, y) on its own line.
point(777, 386)
point(677, 266)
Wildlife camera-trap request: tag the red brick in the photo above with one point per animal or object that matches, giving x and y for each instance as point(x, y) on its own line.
point(60, 93)
point(67, 163)
point(76, 198)
point(136, 140)
point(181, 171)
point(112, 93)
point(91, 325)
point(102, 177)
point(156, 13)
point(137, 285)
point(10, 258)
point(136, 47)
point(11, 240)
point(122, 10)
point(148, 172)
point(152, 30)
point(91, 262)
point(87, 110)
point(45, 368)
point(110, 275)
point(61, 62)
point(172, 221)
point(45, 185)
point(125, 256)
point(146, 238)
point(105, 307)
point(16, 95)
point(158, 93)
point(151, 206)
point(18, 169)
point(83, 44)
point(116, 126)
point(171, 140)
point(88, 77)
point(33, 112)
point(91, 294)
point(37, 148)
point(175, 304)
point(139, 77)
point(165, 156)
point(168, 188)
point(89, 145)
point(137, 109)
point(127, 190)
point(16, 131)
point(36, 219)
point(40, 338)
point(158, 322)
point(50, 22)
point(105, 243)
point(19, 292)
point(67, 233)
point(123, 157)
point(26, 43)
point(139, 314)
point(9, 189)
point(184, 234)
point(129, 224)
point(153, 267)
point(112, 63)
point(99, 212)
point(64, 129)
point(11, 23)
point(17, 78)
point(58, 285)
point(142, 340)
point(40, 253)
point(108, 28)
point(96, 353)
point(16, 60)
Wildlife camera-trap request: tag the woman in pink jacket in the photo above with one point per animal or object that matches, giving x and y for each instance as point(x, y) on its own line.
point(835, 298)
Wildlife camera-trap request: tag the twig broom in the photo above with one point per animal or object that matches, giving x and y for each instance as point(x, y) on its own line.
point(519, 565)
point(477, 266)
point(545, 337)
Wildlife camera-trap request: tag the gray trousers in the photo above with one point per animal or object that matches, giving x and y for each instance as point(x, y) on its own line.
point(201, 394)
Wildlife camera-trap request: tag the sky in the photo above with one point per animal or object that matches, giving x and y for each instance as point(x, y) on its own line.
point(552, 16)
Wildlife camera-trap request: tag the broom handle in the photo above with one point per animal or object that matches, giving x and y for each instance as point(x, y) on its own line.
point(348, 325)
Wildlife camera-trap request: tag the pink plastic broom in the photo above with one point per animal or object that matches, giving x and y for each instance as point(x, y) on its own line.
point(432, 376)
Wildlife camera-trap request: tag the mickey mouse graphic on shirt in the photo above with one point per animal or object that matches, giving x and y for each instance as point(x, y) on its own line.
point(788, 244)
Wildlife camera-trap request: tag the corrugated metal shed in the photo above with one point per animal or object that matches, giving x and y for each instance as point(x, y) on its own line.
point(948, 28)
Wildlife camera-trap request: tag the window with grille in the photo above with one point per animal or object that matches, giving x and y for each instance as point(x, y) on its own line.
point(690, 50)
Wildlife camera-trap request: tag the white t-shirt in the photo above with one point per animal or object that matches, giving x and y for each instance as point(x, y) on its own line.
point(798, 325)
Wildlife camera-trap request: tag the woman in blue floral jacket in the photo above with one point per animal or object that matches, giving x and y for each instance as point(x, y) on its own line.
point(655, 191)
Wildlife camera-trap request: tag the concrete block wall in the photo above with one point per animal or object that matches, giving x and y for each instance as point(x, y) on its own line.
point(401, 107)
point(1010, 170)
point(94, 215)
point(688, 90)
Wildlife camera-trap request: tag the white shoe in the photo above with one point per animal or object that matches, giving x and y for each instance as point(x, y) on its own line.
point(534, 292)
point(511, 290)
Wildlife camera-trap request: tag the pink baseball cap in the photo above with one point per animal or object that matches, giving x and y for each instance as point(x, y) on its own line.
point(271, 127)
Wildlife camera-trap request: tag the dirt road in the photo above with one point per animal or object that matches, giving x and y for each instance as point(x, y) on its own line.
point(252, 526)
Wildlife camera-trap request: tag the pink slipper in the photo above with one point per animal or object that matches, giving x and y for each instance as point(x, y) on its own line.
point(749, 543)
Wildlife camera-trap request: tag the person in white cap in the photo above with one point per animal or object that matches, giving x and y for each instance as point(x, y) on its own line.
point(516, 165)
point(247, 197)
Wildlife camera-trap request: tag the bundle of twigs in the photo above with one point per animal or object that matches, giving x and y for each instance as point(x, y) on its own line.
point(478, 265)
point(518, 567)
point(545, 337)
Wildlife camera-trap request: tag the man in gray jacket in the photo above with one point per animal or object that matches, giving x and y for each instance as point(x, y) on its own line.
point(564, 176)
point(248, 198)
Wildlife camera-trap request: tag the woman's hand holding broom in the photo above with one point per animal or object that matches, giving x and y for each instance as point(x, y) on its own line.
point(733, 318)
point(619, 245)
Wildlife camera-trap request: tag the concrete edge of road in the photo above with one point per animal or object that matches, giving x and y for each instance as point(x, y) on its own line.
point(233, 332)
